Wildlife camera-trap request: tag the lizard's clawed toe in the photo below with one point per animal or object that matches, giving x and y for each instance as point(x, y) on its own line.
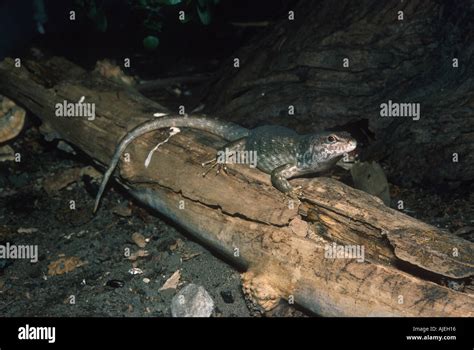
point(220, 167)
point(295, 193)
point(214, 164)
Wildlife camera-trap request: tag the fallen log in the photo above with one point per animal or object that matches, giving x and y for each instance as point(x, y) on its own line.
point(290, 250)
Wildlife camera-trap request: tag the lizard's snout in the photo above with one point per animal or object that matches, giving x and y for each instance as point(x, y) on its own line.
point(352, 144)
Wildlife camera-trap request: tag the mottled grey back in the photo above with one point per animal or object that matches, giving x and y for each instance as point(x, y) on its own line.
point(275, 146)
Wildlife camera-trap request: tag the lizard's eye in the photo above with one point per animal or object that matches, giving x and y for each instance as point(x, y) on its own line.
point(332, 138)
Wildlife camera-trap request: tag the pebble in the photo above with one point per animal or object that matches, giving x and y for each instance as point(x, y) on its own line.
point(192, 301)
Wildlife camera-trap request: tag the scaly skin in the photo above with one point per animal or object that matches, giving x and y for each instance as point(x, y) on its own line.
point(281, 152)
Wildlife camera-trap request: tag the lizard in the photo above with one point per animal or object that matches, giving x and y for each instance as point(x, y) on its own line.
point(281, 152)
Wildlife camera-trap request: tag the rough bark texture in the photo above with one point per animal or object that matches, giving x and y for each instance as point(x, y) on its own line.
point(300, 63)
point(282, 246)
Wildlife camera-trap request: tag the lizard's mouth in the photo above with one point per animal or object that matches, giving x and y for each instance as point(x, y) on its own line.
point(351, 146)
point(351, 151)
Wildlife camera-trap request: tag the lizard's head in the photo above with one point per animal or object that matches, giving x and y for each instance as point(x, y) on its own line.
point(326, 148)
point(337, 143)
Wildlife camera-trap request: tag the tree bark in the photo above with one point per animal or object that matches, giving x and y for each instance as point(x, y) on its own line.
point(281, 244)
point(299, 63)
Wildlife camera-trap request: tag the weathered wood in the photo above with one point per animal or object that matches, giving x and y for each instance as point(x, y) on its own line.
point(282, 245)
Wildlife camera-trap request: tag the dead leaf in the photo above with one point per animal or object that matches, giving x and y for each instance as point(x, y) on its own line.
point(189, 255)
point(27, 230)
point(6, 153)
point(177, 245)
point(139, 239)
point(91, 171)
point(172, 282)
point(138, 254)
point(122, 210)
point(64, 265)
point(55, 182)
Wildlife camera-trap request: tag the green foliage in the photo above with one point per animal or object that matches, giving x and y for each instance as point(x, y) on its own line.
point(204, 9)
point(153, 13)
point(95, 12)
point(204, 15)
point(151, 42)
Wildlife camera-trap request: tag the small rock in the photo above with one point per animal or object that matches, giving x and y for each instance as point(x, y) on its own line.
point(227, 296)
point(370, 178)
point(135, 271)
point(192, 301)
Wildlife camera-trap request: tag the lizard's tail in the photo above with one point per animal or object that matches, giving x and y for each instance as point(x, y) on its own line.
point(226, 130)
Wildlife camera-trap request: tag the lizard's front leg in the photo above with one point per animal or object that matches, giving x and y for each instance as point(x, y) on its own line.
point(280, 176)
point(225, 156)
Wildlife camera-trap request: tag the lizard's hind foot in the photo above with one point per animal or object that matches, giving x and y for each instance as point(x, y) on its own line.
point(214, 163)
point(295, 193)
